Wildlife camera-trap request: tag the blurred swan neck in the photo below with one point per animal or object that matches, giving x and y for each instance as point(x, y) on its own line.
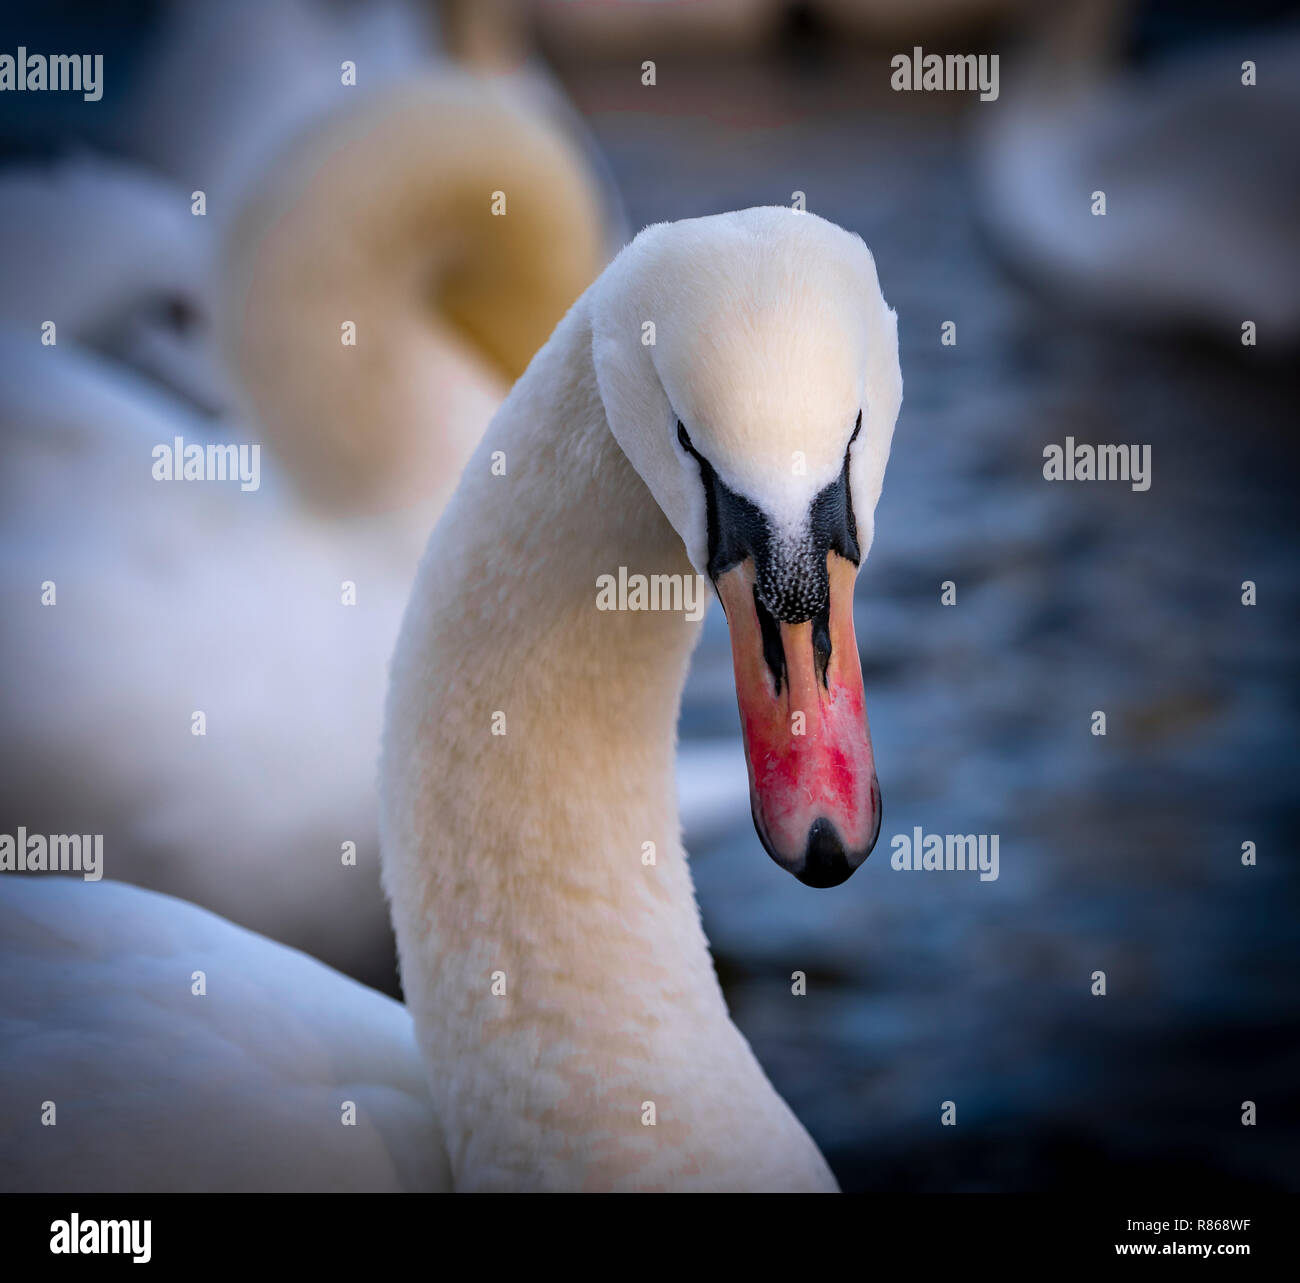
point(403, 265)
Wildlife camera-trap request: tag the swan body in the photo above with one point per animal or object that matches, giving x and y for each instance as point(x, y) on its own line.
point(174, 598)
point(1201, 183)
point(158, 1088)
point(112, 255)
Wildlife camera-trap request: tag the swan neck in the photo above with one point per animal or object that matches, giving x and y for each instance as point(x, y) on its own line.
point(551, 946)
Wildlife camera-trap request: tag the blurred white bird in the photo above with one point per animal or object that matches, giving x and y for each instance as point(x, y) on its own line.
point(112, 254)
point(1198, 169)
point(181, 1053)
point(228, 88)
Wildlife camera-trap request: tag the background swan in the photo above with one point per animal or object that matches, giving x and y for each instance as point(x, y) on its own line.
point(523, 854)
point(242, 1088)
point(449, 300)
point(228, 88)
point(206, 600)
point(175, 598)
point(110, 252)
point(1199, 173)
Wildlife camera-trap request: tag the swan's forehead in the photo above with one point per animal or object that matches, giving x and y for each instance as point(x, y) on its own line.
point(763, 359)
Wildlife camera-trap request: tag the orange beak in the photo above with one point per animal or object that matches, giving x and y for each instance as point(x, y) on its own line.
point(812, 775)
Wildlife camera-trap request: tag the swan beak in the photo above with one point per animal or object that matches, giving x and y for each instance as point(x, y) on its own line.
point(812, 776)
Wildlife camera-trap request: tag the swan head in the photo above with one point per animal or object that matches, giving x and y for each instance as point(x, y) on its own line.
point(748, 366)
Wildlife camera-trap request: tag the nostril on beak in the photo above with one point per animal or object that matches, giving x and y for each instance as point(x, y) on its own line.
point(826, 863)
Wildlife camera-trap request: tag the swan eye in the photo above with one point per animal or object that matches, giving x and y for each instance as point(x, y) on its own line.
point(682, 437)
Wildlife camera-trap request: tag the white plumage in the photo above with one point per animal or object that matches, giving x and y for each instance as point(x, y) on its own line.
point(560, 983)
point(157, 1088)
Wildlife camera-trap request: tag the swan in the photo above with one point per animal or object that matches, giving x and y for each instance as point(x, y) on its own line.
point(526, 770)
point(110, 252)
point(1197, 170)
point(747, 444)
point(226, 90)
point(243, 1086)
point(176, 598)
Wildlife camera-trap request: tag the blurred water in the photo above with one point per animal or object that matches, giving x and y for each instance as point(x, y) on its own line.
point(1120, 853)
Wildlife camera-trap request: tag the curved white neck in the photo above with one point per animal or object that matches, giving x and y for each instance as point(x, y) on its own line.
point(524, 853)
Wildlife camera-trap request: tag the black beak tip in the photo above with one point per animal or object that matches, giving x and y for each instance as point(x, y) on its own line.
point(826, 863)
